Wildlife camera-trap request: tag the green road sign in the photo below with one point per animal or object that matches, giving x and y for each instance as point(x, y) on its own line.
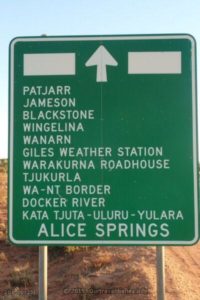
point(103, 140)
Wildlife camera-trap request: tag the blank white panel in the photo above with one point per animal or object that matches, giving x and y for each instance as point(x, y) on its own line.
point(49, 64)
point(154, 62)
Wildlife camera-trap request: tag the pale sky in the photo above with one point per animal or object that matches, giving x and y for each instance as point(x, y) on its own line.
point(88, 17)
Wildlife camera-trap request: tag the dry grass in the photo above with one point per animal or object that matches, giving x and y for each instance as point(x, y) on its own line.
point(22, 276)
point(68, 251)
point(3, 200)
point(3, 257)
point(3, 165)
point(13, 297)
point(3, 231)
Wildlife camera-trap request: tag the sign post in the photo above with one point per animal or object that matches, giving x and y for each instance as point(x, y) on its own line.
point(160, 267)
point(43, 272)
point(103, 140)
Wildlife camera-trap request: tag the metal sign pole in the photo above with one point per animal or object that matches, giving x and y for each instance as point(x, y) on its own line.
point(160, 272)
point(43, 262)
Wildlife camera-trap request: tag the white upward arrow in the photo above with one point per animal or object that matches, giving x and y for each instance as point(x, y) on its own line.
point(101, 58)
